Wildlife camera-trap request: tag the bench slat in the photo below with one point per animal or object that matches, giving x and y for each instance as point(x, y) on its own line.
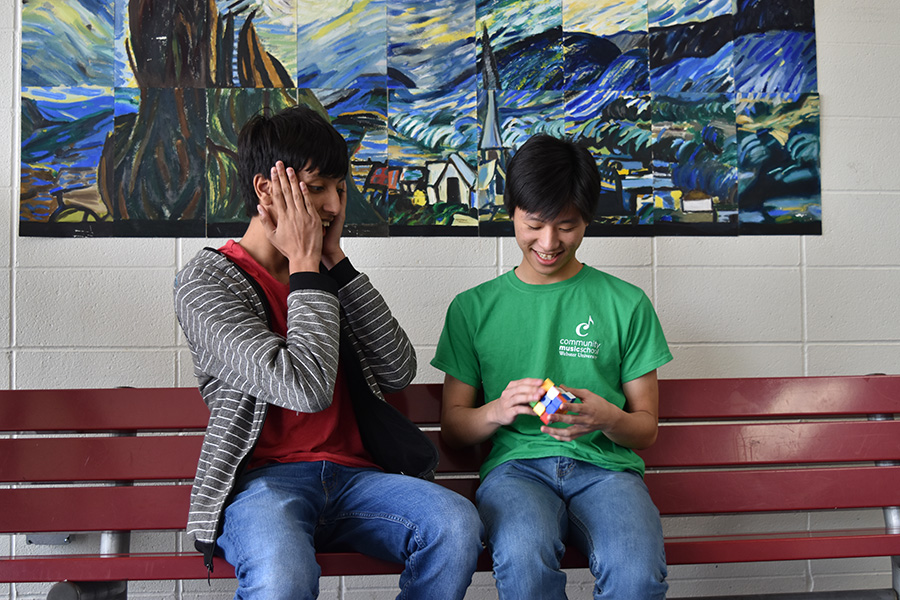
point(773, 443)
point(692, 398)
point(782, 546)
point(99, 459)
point(175, 457)
point(101, 508)
point(48, 510)
point(103, 409)
point(759, 490)
point(159, 457)
point(182, 408)
point(679, 551)
point(91, 567)
point(149, 567)
point(767, 397)
point(675, 493)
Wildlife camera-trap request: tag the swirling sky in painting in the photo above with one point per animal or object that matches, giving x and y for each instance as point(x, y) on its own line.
point(665, 13)
point(605, 17)
point(431, 45)
point(67, 43)
point(342, 44)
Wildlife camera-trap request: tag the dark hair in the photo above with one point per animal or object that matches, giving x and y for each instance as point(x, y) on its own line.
point(547, 175)
point(298, 136)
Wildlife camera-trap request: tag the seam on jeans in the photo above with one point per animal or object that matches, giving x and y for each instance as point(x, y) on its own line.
point(592, 559)
point(370, 515)
point(410, 565)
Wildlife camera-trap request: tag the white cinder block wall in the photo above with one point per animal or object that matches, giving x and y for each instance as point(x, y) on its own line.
point(97, 313)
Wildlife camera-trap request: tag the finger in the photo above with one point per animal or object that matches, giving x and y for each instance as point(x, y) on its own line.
point(265, 218)
point(276, 191)
point(518, 391)
point(577, 392)
point(305, 201)
point(571, 408)
point(291, 188)
point(556, 433)
point(564, 434)
point(530, 387)
point(560, 417)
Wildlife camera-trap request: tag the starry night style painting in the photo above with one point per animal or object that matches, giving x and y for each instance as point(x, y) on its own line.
point(702, 115)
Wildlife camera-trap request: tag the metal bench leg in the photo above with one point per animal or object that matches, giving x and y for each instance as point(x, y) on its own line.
point(892, 524)
point(111, 542)
point(895, 575)
point(89, 590)
point(891, 516)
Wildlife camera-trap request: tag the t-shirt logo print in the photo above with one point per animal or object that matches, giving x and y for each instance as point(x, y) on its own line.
point(582, 329)
point(578, 347)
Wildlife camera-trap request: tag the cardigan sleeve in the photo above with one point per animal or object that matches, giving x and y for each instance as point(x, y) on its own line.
point(383, 343)
point(222, 317)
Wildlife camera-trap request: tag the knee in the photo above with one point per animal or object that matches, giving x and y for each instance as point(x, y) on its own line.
point(277, 578)
point(539, 553)
point(632, 579)
point(453, 532)
point(458, 523)
point(516, 538)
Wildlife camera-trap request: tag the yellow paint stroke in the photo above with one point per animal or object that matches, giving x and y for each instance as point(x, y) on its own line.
point(331, 13)
point(780, 124)
point(437, 31)
point(604, 17)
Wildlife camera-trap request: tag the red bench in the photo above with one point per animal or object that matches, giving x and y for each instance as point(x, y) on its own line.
point(726, 446)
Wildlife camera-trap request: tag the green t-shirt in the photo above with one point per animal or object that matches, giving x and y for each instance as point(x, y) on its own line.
point(591, 331)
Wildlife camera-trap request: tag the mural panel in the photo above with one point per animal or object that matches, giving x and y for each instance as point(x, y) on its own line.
point(703, 115)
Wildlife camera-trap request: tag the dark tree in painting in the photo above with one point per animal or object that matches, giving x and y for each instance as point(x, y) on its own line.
point(154, 166)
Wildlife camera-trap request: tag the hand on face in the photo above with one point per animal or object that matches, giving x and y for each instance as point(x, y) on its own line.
point(291, 223)
point(304, 217)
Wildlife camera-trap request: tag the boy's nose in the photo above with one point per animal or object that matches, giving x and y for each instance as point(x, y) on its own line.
point(332, 204)
point(548, 238)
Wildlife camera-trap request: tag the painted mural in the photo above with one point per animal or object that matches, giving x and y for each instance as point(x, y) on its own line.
point(703, 115)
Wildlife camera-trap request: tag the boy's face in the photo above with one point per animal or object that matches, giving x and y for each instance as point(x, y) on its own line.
point(326, 194)
point(548, 247)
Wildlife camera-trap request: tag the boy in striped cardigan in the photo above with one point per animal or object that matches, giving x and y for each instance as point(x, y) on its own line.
point(288, 342)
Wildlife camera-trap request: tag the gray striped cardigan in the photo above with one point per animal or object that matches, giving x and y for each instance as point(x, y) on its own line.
point(242, 366)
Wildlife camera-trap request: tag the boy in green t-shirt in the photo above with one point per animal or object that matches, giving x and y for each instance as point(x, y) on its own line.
point(577, 478)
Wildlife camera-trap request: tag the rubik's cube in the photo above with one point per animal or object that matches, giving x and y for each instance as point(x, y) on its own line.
point(551, 401)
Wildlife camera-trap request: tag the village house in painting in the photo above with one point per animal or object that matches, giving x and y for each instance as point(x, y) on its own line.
point(451, 181)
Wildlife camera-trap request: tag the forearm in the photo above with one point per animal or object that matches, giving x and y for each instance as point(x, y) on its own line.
point(382, 341)
point(632, 426)
point(232, 342)
point(636, 430)
point(467, 426)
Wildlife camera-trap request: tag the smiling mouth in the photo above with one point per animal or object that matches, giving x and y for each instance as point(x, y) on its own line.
point(544, 257)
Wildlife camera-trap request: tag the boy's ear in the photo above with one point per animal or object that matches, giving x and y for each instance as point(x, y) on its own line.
point(261, 186)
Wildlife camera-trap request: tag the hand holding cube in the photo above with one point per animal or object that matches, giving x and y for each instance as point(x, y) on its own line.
point(551, 401)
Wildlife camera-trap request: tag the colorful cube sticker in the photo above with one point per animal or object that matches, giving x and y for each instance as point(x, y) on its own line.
point(552, 400)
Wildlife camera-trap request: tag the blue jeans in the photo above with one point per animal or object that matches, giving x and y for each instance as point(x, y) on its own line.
point(280, 514)
point(530, 508)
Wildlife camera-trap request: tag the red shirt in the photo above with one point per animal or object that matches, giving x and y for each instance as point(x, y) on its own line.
point(291, 436)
